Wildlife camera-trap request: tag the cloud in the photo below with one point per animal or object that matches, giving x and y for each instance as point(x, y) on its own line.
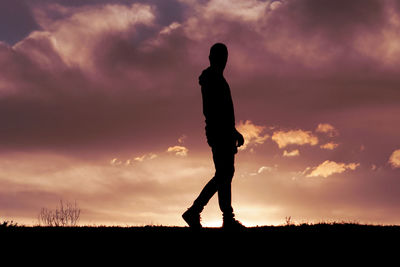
point(328, 168)
point(292, 153)
point(182, 139)
point(327, 129)
point(264, 169)
point(129, 161)
point(115, 78)
point(77, 33)
point(394, 159)
point(249, 10)
point(329, 146)
point(107, 194)
point(178, 150)
point(173, 26)
point(86, 78)
point(294, 137)
point(115, 162)
point(374, 167)
point(145, 157)
point(252, 134)
point(102, 64)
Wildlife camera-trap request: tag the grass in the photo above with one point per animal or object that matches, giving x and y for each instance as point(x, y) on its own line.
point(289, 227)
point(282, 242)
point(288, 231)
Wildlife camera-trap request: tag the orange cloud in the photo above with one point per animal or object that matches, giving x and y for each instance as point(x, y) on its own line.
point(327, 128)
point(115, 162)
point(329, 146)
point(145, 157)
point(178, 150)
point(294, 137)
point(292, 153)
point(130, 161)
point(394, 159)
point(328, 168)
point(252, 134)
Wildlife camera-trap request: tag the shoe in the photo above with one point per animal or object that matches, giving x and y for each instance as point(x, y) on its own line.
point(192, 218)
point(233, 224)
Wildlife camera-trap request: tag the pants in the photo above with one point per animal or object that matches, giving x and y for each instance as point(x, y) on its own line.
point(224, 160)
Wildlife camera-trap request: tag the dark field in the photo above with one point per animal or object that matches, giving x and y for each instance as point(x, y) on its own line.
point(312, 229)
point(317, 244)
point(332, 231)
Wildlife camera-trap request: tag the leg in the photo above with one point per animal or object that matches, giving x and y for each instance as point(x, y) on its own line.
point(205, 195)
point(221, 182)
point(192, 215)
point(224, 170)
point(224, 164)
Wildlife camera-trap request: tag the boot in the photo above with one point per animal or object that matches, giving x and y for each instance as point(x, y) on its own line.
point(230, 223)
point(192, 218)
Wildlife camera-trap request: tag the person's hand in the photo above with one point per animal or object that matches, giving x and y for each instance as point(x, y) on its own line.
point(239, 138)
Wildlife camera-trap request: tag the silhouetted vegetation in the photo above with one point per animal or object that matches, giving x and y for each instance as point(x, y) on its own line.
point(64, 215)
point(6, 224)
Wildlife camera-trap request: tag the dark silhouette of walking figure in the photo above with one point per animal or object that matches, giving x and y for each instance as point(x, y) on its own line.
point(222, 137)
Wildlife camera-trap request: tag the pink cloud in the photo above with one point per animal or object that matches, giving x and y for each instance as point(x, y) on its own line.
point(75, 36)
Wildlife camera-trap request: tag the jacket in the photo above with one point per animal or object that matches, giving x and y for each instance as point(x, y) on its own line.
point(218, 109)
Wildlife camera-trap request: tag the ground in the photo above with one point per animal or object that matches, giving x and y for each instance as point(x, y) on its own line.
point(305, 243)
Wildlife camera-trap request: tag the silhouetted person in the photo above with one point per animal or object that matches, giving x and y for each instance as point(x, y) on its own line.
point(222, 137)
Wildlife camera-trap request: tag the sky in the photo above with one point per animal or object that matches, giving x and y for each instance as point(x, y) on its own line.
point(100, 105)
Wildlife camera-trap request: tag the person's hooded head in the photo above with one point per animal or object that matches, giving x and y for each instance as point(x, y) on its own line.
point(218, 56)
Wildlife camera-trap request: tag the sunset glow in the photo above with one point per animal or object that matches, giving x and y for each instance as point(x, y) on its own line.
point(100, 104)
